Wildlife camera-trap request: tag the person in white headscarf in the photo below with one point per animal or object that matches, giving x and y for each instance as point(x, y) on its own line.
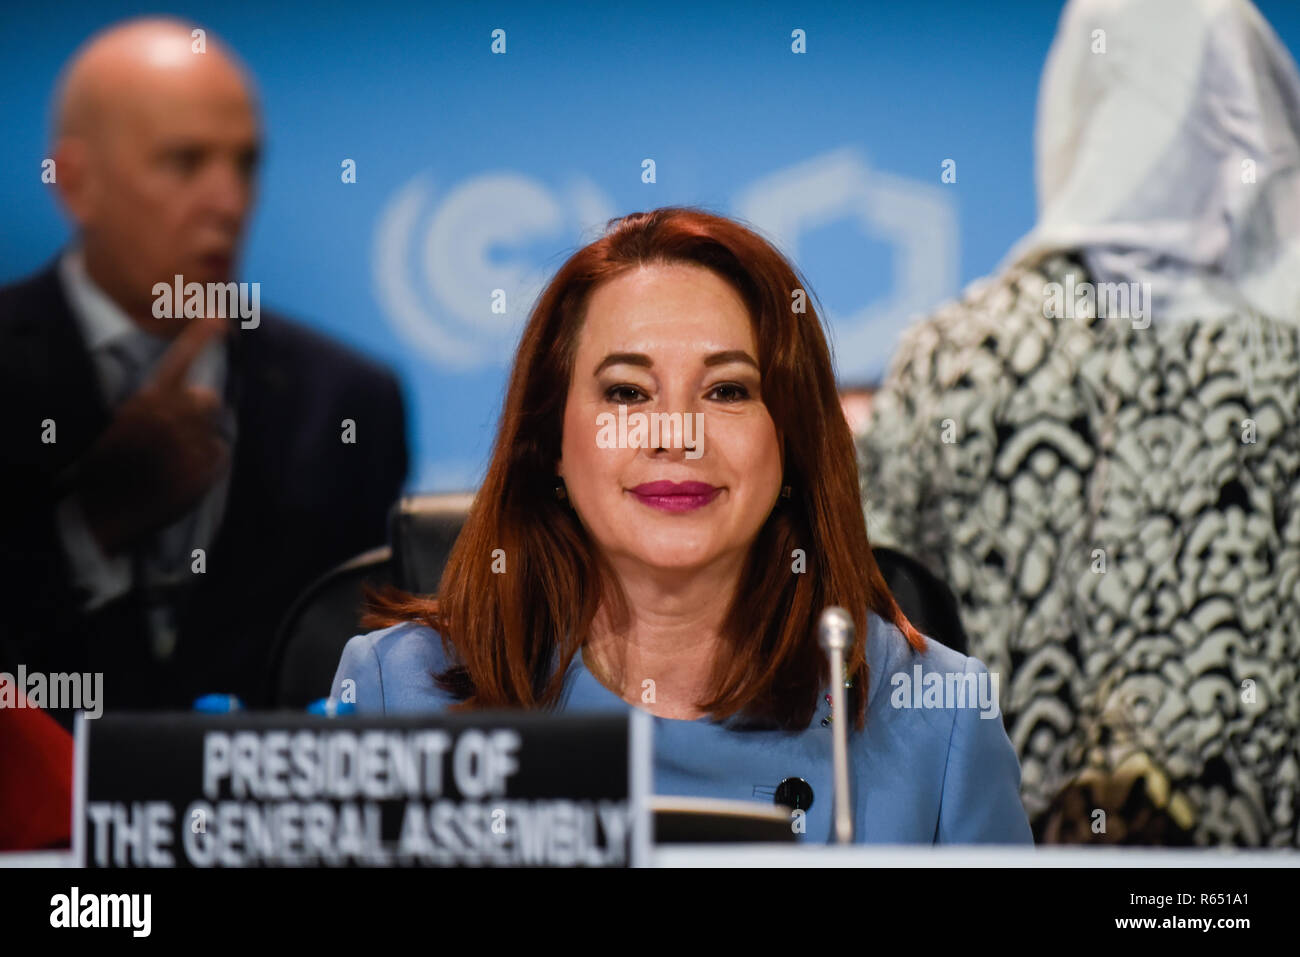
point(1099, 447)
point(1167, 153)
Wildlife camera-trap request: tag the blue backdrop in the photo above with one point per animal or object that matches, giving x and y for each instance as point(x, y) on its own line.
point(479, 171)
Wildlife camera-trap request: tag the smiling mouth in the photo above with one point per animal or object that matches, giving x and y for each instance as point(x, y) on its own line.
point(675, 496)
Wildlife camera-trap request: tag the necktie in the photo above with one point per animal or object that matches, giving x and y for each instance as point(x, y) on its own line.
point(129, 360)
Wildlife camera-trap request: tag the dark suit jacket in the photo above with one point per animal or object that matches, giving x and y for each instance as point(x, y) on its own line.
point(300, 501)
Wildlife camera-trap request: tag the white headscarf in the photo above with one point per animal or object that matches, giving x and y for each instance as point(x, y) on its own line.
point(1142, 151)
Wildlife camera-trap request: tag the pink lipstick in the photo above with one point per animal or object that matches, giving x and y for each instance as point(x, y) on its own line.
point(676, 496)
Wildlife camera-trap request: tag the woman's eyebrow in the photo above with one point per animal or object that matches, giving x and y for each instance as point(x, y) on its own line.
point(624, 358)
point(641, 359)
point(732, 355)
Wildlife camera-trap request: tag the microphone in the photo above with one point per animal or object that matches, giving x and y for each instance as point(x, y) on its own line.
point(835, 635)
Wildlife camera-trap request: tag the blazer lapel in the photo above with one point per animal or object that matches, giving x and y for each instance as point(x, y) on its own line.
point(59, 363)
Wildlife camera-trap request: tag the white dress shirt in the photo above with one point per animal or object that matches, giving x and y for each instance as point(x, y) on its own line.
point(165, 561)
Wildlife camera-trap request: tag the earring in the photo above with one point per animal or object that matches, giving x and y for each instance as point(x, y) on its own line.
point(785, 491)
point(561, 492)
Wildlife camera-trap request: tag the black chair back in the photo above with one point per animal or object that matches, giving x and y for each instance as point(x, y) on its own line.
point(424, 528)
point(311, 637)
point(923, 597)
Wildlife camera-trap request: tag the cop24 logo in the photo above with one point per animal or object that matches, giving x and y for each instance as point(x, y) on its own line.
point(457, 270)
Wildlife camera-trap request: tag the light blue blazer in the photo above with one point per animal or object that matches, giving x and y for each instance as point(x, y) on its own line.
point(927, 769)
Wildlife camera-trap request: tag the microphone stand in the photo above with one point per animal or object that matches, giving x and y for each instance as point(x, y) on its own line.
point(835, 635)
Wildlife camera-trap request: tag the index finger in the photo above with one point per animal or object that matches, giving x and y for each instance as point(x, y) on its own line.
point(185, 348)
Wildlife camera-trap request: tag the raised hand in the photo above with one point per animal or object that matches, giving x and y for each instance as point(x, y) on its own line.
point(161, 452)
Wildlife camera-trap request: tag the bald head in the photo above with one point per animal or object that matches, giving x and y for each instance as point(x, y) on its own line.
point(156, 146)
point(132, 59)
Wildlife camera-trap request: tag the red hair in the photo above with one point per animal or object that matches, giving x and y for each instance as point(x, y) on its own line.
point(512, 636)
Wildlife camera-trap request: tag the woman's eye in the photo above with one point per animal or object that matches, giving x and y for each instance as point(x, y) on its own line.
point(623, 394)
point(730, 392)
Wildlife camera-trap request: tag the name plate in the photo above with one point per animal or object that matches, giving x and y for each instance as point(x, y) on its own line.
point(272, 789)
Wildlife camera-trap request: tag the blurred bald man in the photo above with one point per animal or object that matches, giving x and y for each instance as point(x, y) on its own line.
point(180, 481)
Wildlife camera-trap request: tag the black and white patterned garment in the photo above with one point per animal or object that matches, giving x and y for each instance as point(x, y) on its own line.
point(1118, 511)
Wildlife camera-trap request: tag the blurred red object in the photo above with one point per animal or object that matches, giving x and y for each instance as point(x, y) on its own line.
point(856, 402)
point(35, 777)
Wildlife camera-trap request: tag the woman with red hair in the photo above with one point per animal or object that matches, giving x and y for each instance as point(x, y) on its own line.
point(607, 564)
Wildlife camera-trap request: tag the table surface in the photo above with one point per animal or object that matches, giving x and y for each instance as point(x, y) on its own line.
point(759, 855)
